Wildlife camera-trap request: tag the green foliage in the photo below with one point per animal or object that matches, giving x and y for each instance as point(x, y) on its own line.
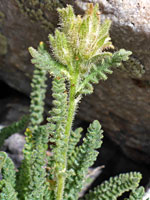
point(73, 140)
point(7, 184)
point(81, 38)
point(99, 71)
point(56, 127)
point(115, 187)
point(137, 194)
point(80, 48)
point(43, 61)
point(37, 181)
point(25, 177)
point(81, 159)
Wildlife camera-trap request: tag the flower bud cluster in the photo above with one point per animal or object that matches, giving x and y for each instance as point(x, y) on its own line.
point(80, 38)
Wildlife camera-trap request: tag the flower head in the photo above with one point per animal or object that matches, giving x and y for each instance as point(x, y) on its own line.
point(80, 38)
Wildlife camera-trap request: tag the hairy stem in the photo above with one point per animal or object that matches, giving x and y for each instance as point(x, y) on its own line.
point(71, 112)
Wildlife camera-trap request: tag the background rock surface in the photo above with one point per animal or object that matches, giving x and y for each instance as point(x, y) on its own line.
point(122, 103)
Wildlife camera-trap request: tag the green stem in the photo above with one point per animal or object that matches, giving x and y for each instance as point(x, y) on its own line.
point(71, 112)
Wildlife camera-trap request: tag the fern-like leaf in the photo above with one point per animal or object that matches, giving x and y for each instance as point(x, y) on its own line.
point(137, 194)
point(38, 166)
point(74, 139)
point(38, 91)
point(43, 60)
point(36, 117)
point(56, 127)
point(7, 192)
point(115, 187)
point(7, 184)
point(81, 159)
point(99, 71)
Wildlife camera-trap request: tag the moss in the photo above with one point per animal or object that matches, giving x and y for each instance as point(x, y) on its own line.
point(36, 10)
point(2, 17)
point(3, 45)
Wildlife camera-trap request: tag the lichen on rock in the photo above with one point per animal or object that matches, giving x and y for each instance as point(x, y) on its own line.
point(38, 10)
point(3, 45)
point(2, 16)
point(133, 67)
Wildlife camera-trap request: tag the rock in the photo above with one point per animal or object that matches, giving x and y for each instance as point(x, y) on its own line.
point(13, 105)
point(15, 143)
point(93, 173)
point(147, 194)
point(122, 102)
point(14, 146)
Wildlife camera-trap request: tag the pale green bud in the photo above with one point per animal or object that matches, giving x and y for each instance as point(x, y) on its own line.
point(67, 16)
point(80, 39)
point(61, 48)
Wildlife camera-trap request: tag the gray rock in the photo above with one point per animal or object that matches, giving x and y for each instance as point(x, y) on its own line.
point(14, 146)
point(15, 143)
